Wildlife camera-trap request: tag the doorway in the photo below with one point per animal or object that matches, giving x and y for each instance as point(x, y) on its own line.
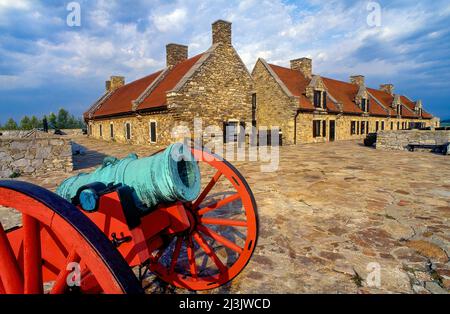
point(332, 130)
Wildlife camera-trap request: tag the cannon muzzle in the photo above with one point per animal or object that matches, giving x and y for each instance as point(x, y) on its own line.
point(169, 176)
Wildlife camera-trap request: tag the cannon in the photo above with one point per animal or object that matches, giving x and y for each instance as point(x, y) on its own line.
point(183, 215)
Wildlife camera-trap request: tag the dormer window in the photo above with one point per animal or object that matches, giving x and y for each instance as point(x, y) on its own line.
point(399, 109)
point(365, 105)
point(320, 99)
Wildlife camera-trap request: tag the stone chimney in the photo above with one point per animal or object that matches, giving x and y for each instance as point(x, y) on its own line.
point(221, 32)
point(175, 54)
point(388, 88)
point(303, 65)
point(114, 83)
point(359, 80)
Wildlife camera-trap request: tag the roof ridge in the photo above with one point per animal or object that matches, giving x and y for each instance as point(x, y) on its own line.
point(150, 88)
point(97, 104)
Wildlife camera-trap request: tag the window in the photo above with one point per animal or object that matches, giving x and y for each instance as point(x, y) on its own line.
point(100, 130)
point(231, 131)
point(324, 100)
point(392, 125)
point(363, 127)
point(398, 125)
point(128, 131)
point(324, 128)
point(367, 127)
point(376, 126)
point(382, 125)
point(353, 128)
point(317, 99)
point(111, 130)
point(152, 130)
point(316, 128)
point(365, 105)
point(357, 128)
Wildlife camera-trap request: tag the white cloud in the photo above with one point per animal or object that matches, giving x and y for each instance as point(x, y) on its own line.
point(14, 4)
point(171, 21)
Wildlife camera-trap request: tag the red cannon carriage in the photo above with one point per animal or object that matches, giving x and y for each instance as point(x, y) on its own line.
point(102, 241)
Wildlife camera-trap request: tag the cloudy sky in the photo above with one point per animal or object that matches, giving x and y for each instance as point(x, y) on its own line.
point(46, 64)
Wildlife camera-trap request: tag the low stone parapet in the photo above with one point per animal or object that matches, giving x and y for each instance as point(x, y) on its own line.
point(399, 140)
point(34, 156)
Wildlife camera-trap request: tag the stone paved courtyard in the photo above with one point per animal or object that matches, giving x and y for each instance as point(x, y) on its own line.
point(332, 214)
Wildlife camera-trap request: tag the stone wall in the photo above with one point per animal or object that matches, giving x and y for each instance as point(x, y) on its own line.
point(34, 156)
point(399, 140)
point(274, 108)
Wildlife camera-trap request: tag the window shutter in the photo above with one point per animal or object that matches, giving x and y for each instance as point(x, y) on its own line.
point(314, 129)
point(324, 128)
point(324, 100)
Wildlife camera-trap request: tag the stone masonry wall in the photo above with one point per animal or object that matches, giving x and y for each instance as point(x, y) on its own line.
point(399, 140)
point(220, 91)
point(273, 107)
point(34, 156)
point(140, 129)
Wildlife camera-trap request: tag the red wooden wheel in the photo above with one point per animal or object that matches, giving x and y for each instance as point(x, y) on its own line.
point(223, 234)
point(35, 257)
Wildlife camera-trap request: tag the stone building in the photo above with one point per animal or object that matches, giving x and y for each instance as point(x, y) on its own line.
point(215, 86)
point(310, 108)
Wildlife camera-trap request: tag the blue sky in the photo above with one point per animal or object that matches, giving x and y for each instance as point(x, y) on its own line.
point(45, 64)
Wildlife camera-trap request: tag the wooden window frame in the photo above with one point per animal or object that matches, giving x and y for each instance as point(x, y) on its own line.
point(126, 131)
point(111, 130)
point(150, 131)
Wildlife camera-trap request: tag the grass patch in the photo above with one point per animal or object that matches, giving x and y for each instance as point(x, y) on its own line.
point(14, 175)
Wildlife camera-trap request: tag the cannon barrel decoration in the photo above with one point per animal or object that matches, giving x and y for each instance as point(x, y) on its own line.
point(184, 214)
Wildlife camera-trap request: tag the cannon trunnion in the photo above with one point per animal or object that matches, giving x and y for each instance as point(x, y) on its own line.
point(185, 215)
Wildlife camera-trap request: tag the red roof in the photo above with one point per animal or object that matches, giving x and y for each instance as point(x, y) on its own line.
point(121, 99)
point(345, 94)
point(296, 84)
point(158, 96)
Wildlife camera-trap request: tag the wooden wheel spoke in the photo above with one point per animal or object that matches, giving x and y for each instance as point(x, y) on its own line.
point(175, 255)
point(219, 204)
point(222, 240)
point(191, 258)
point(61, 281)
point(209, 251)
point(10, 273)
point(32, 256)
point(208, 188)
point(223, 222)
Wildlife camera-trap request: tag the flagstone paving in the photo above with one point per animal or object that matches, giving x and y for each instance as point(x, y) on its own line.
point(331, 217)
